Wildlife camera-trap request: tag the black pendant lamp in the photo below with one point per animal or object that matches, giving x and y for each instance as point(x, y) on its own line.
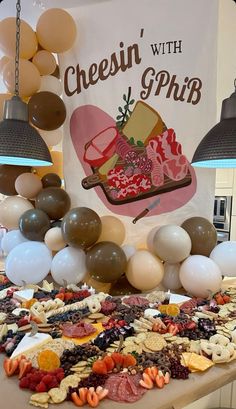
point(218, 148)
point(20, 143)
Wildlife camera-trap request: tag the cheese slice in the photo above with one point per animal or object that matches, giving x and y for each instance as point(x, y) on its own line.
point(28, 343)
point(24, 295)
point(108, 165)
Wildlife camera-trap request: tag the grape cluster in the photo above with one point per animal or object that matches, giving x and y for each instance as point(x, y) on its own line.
point(177, 370)
point(196, 334)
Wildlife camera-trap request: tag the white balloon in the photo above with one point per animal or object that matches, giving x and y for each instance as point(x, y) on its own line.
point(11, 239)
point(224, 255)
point(29, 262)
point(52, 138)
point(198, 274)
point(171, 279)
point(172, 243)
point(150, 237)
point(69, 264)
point(51, 84)
point(129, 250)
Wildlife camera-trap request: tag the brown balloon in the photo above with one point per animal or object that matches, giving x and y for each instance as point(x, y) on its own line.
point(123, 287)
point(202, 234)
point(34, 224)
point(54, 201)
point(51, 180)
point(47, 111)
point(8, 176)
point(81, 227)
point(106, 261)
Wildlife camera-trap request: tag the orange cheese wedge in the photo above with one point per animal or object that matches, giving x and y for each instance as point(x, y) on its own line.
point(79, 341)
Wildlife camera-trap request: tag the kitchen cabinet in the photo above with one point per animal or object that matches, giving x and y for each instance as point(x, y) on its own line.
point(225, 182)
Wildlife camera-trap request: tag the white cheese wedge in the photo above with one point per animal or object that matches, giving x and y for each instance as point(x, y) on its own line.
point(151, 312)
point(24, 295)
point(28, 343)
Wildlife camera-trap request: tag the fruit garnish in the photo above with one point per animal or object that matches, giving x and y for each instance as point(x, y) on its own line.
point(92, 399)
point(172, 309)
point(162, 308)
point(146, 382)
point(129, 360)
point(10, 366)
point(160, 381)
point(99, 367)
point(48, 360)
point(76, 399)
point(24, 367)
point(117, 358)
point(110, 364)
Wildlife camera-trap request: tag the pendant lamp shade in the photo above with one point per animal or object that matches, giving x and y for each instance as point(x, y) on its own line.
point(218, 148)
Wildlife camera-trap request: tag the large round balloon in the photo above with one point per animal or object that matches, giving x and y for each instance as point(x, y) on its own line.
point(81, 227)
point(45, 62)
point(144, 270)
point(56, 30)
point(106, 262)
point(51, 84)
point(34, 224)
point(8, 176)
point(202, 233)
point(52, 138)
point(129, 250)
point(171, 279)
point(29, 78)
point(28, 40)
point(171, 243)
point(28, 185)
point(3, 61)
point(200, 276)
point(11, 239)
point(47, 110)
point(112, 230)
point(224, 255)
point(122, 287)
point(29, 263)
point(11, 209)
point(54, 201)
point(54, 240)
point(150, 237)
point(51, 180)
point(69, 265)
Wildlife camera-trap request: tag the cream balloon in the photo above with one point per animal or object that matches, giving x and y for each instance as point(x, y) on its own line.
point(52, 138)
point(56, 30)
point(171, 279)
point(29, 77)
point(144, 270)
point(68, 264)
point(11, 209)
point(129, 250)
point(112, 230)
point(54, 240)
point(172, 243)
point(3, 61)
point(45, 62)
point(150, 236)
point(51, 84)
point(200, 275)
point(224, 255)
point(28, 185)
point(28, 39)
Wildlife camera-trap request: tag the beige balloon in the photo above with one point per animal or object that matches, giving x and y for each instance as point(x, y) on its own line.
point(28, 185)
point(28, 39)
point(3, 98)
point(3, 61)
point(172, 243)
point(29, 78)
point(11, 210)
point(112, 230)
point(56, 30)
point(45, 62)
point(144, 270)
point(54, 240)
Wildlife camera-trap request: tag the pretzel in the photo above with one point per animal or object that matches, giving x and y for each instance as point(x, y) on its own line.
point(94, 305)
point(220, 354)
point(219, 340)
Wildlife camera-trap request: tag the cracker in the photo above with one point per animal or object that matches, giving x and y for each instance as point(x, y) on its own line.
point(141, 335)
point(154, 344)
point(70, 381)
point(42, 397)
point(80, 364)
point(57, 395)
point(96, 316)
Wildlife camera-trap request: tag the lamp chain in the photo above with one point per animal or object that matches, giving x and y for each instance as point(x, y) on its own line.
point(18, 9)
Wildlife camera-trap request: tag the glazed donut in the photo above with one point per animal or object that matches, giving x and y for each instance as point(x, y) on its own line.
point(219, 340)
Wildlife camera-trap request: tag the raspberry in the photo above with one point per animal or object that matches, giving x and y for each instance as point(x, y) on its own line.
point(41, 387)
point(47, 379)
point(53, 383)
point(24, 383)
point(60, 376)
point(32, 386)
point(35, 377)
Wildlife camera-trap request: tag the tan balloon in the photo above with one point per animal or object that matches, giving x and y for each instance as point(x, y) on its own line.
point(3, 61)
point(28, 185)
point(29, 77)
point(11, 210)
point(112, 230)
point(45, 62)
point(3, 98)
point(56, 30)
point(144, 271)
point(28, 39)
point(54, 240)
point(172, 243)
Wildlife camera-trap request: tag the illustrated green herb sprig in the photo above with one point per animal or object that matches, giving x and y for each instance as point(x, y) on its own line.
point(125, 112)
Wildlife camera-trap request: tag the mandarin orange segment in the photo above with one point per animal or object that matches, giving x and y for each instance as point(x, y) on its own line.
point(162, 308)
point(48, 360)
point(173, 310)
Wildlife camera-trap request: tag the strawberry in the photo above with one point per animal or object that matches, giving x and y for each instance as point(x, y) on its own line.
point(68, 296)
point(172, 328)
point(24, 367)
point(101, 392)
point(53, 383)
point(61, 296)
point(99, 367)
point(77, 401)
point(146, 382)
point(10, 366)
point(226, 298)
point(41, 387)
point(167, 378)
point(129, 360)
point(110, 364)
point(83, 394)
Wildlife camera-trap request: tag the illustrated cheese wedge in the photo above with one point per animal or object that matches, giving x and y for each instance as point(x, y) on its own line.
point(143, 123)
point(28, 343)
point(108, 165)
point(24, 295)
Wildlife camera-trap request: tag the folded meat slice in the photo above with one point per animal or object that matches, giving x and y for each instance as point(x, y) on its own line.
point(79, 330)
point(101, 147)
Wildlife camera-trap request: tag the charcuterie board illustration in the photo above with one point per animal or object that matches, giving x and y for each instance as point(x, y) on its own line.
point(136, 159)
